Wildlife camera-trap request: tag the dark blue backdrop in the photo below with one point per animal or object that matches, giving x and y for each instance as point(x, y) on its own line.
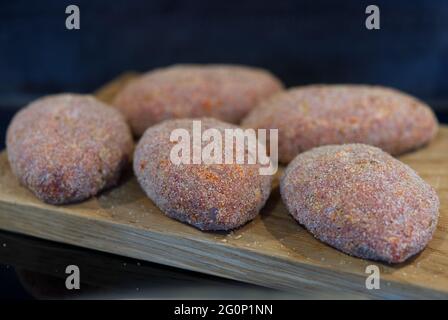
point(301, 41)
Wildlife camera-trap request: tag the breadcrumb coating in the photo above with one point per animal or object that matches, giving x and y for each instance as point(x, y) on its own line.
point(361, 201)
point(225, 92)
point(317, 115)
point(207, 196)
point(66, 148)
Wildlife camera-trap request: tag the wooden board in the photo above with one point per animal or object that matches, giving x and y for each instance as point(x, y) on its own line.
point(273, 250)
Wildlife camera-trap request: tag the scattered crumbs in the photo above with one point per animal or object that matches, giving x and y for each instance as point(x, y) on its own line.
point(224, 240)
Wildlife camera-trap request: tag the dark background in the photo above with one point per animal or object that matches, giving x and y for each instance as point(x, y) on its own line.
point(300, 41)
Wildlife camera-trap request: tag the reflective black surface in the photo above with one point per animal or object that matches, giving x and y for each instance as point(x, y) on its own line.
point(33, 268)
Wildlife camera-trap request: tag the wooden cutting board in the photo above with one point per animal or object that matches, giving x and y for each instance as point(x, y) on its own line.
point(273, 250)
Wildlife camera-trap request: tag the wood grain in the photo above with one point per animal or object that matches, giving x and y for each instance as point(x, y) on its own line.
point(273, 250)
